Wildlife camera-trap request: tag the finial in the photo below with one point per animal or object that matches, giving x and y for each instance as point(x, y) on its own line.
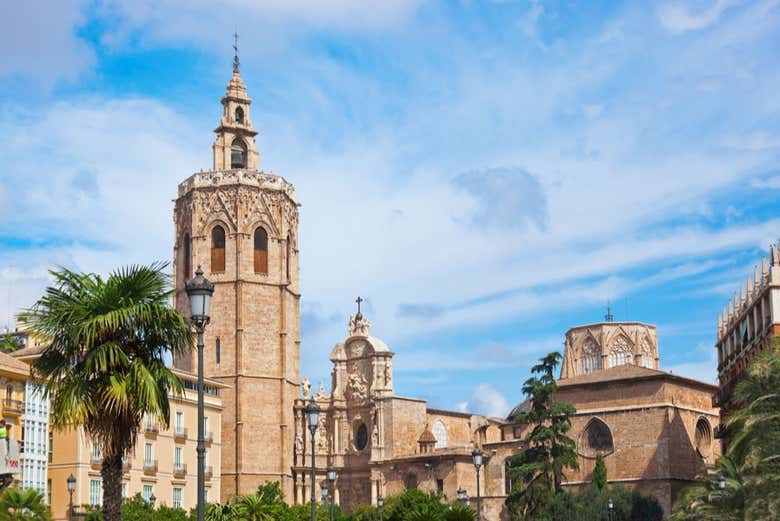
point(608, 317)
point(359, 300)
point(236, 63)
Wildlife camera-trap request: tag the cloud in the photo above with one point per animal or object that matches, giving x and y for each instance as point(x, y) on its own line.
point(754, 141)
point(486, 400)
point(771, 182)
point(420, 311)
point(678, 16)
point(503, 197)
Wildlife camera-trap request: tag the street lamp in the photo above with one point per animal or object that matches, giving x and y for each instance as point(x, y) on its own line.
point(152, 499)
point(476, 456)
point(331, 475)
point(721, 482)
point(312, 411)
point(71, 487)
point(610, 505)
point(380, 502)
point(462, 495)
point(324, 487)
point(200, 290)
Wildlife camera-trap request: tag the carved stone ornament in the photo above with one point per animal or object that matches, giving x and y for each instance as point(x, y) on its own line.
point(359, 325)
point(357, 388)
point(306, 388)
point(321, 392)
point(388, 373)
point(298, 443)
point(357, 349)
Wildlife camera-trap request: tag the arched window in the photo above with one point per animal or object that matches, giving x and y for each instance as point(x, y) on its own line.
point(590, 359)
point(239, 115)
point(287, 256)
point(621, 352)
point(238, 154)
point(261, 251)
point(440, 433)
point(186, 268)
point(596, 438)
point(703, 438)
point(218, 248)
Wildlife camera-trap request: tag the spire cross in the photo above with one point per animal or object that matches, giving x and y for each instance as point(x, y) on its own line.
point(608, 317)
point(235, 52)
point(359, 300)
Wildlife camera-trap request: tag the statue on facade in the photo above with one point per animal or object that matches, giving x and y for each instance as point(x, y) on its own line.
point(298, 443)
point(306, 388)
point(358, 324)
point(321, 395)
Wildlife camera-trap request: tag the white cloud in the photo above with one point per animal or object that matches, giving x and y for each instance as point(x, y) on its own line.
point(754, 141)
point(486, 400)
point(679, 16)
point(771, 182)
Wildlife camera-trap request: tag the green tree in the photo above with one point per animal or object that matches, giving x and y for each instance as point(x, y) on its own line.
point(104, 368)
point(218, 512)
point(23, 505)
point(459, 513)
point(600, 473)
point(9, 345)
point(538, 469)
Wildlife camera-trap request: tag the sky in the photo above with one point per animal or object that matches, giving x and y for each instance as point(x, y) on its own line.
point(485, 174)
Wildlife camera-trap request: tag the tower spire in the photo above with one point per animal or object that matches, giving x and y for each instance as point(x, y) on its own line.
point(236, 63)
point(608, 317)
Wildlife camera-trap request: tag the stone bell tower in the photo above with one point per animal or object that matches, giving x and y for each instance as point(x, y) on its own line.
point(241, 225)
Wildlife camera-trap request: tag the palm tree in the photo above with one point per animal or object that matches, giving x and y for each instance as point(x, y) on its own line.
point(23, 505)
point(104, 368)
point(220, 512)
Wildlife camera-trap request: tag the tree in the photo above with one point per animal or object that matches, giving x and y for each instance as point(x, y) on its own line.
point(9, 345)
point(538, 469)
point(23, 505)
point(600, 473)
point(105, 368)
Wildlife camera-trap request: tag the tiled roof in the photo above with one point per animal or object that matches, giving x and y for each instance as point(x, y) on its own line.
point(29, 351)
point(621, 372)
point(11, 364)
point(427, 436)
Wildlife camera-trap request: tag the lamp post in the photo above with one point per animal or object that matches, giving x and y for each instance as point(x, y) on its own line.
point(610, 505)
point(200, 290)
point(324, 487)
point(331, 475)
point(312, 411)
point(476, 456)
point(152, 499)
point(380, 502)
point(71, 487)
point(721, 482)
point(462, 495)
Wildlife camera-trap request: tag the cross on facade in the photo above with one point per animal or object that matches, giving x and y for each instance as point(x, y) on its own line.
point(359, 300)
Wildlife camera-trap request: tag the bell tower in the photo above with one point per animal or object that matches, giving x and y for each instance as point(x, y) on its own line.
point(241, 225)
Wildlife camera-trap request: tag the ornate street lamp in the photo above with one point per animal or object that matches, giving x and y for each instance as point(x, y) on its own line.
point(312, 411)
point(610, 505)
point(152, 499)
point(324, 487)
point(380, 502)
point(476, 456)
point(462, 495)
point(200, 290)
point(71, 487)
point(331, 475)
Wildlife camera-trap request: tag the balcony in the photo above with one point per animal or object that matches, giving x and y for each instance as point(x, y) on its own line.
point(180, 433)
point(150, 467)
point(151, 429)
point(179, 470)
point(13, 407)
point(96, 460)
point(209, 473)
point(209, 437)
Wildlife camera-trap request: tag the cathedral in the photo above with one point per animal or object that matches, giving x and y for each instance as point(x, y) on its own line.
point(240, 224)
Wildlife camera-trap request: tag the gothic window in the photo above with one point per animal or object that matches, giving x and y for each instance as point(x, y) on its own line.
point(238, 154)
point(703, 438)
point(218, 248)
point(187, 269)
point(440, 433)
point(239, 115)
point(621, 352)
point(647, 354)
point(596, 438)
point(261, 251)
point(590, 359)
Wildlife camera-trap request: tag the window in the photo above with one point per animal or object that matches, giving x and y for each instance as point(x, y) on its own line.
point(238, 154)
point(288, 257)
point(9, 392)
point(440, 433)
point(177, 457)
point(217, 350)
point(261, 251)
point(206, 426)
point(218, 248)
point(508, 476)
point(621, 353)
point(187, 269)
point(596, 438)
point(361, 436)
point(94, 492)
point(179, 425)
point(148, 454)
point(440, 485)
point(410, 481)
point(239, 115)
point(590, 359)
point(96, 455)
point(703, 438)
point(147, 492)
point(51, 446)
point(177, 493)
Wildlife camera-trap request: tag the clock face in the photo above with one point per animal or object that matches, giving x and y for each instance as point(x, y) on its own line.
point(361, 437)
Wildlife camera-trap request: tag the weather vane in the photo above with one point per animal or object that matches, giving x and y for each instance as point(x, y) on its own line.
point(236, 63)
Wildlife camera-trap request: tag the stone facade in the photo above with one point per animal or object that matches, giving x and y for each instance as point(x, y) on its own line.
point(241, 226)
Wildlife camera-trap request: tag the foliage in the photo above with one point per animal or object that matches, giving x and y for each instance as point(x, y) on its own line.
point(23, 505)
point(592, 504)
point(105, 366)
point(600, 473)
point(750, 470)
point(537, 471)
point(460, 513)
point(9, 344)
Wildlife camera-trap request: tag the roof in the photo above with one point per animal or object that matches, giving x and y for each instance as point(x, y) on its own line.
point(427, 436)
point(29, 351)
point(10, 364)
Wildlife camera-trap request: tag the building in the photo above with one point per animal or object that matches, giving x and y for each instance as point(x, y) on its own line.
point(241, 226)
point(746, 326)
point(26, 409)
point(163, 463)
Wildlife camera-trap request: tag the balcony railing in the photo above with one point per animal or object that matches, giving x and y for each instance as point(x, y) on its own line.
point(179, 469)
point(209, 437)
point(180, 433)
point(126, 465)
point(209, 472)
point(150, 467)
point(96, 461)
point(13, 407)
point(151, 428)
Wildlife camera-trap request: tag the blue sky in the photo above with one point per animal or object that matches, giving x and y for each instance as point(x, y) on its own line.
point(485, 174)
